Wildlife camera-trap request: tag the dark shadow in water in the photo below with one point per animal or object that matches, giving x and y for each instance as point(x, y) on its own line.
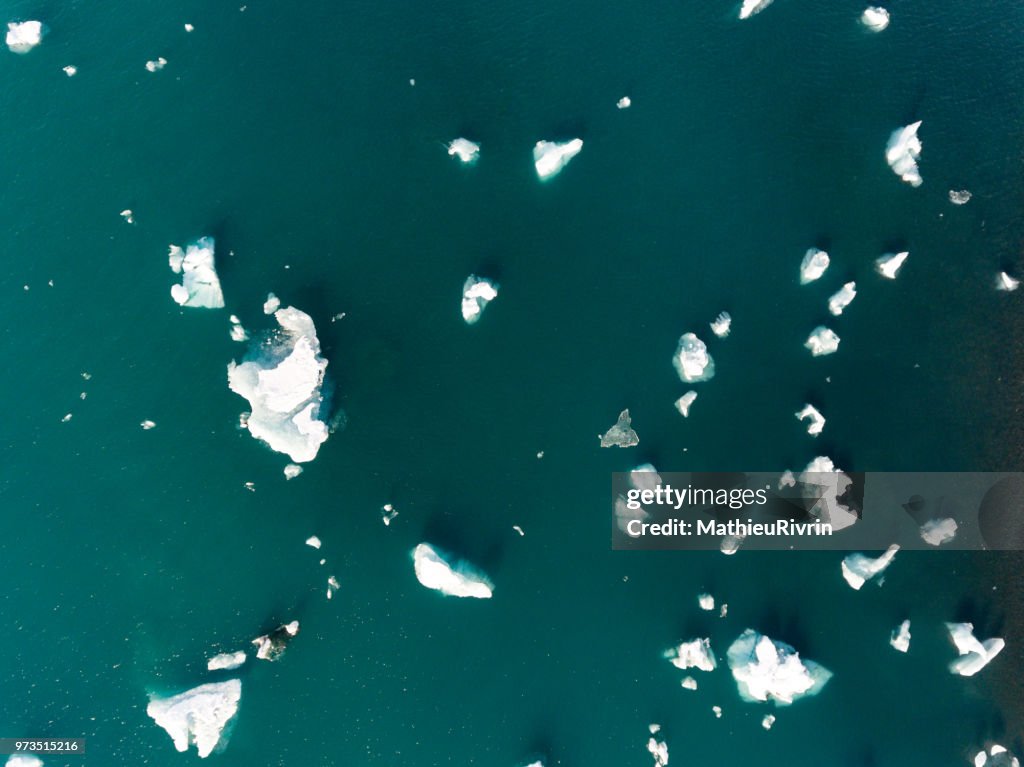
point(983, 615)
point(447, 531)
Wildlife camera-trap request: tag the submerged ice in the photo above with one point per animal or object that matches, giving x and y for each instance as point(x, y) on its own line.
point(197, 716)
point(903, 151)
point(456, 579)
point(200, 285)
point(765, 669)
point(549, 157)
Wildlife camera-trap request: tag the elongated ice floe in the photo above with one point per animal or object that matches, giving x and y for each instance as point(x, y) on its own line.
point(621, 434)
point(283, 386)
point(200, 286)
point(900, 639)
point(1006, 282)
point(477, 292)
point(197, 716)
point(466, 150)
point(903, 151)
point(23, 36)
point(813, 265)
point(817, 420)
point(751, 7)
point(889, 265)
point(692, 361)
point(768, 670)
point(693, 654)
point(226, 661)
point(722, 325)
point(549, 157)
point(684, 402)
point(974, 654)
point(822, 341)
point(842, 298)
point(23, 760)
point(936, 532)
point(995, 756)
point(875, 18)
point(456, 579)
point(859, 569)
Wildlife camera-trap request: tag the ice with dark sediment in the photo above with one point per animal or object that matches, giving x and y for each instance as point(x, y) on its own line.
point(197, 716)
point(621, 434)
point(452, 578)
point(200, 286)
point(858, 569)
point(692, 361)
point(550, 157)
point(889, 265)
point(974, 654)
point(813, 265)
point(765, 669)
point(903, 151)
point(271, 647)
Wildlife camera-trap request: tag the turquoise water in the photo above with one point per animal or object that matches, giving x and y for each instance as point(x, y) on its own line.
point(293, 135)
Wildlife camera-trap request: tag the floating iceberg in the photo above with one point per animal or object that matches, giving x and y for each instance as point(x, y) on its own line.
point(750, 7)
point(464, 149)
point(768, 721)
point(657, 748)
point(238, 333)
point(283, 388)
point(706, 602)
point(814, 264)
point(903, 151)
point(23, 760)
point(900, 639)
point(842, 298)
point(156, 64)
point(889, 265)
point(822, 341)
point(645, 477)
point(197, 716)
point(817, 419)
point(314, 542)
point(549, 157)
point(722, 324)
point(959, 197)
point(828, 484)
point(693, 654)
point(226, 661)
point(875, 18)
point(684, 402)
point(23, 36)
point(200, 286)
point(1006, 282)
point(272, 304)
point(938, 531)
point(859, 569)
point(272, 646)
point(765, 669)
point(974, 655)
point(477, 292)
point(456, 580)
point(621, 434)
point(692, 361)
point(624, 103)
point(688, 683)
point(996, 756)
point(71, 70)
point(292, 470)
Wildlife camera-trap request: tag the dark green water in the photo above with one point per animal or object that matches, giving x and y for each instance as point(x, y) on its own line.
point(292, 134)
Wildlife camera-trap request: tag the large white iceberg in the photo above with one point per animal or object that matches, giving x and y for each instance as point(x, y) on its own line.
point(549, 157)
point(813, 265)
point(817, 419)
point(456, 580)
point(199, 284)
point(477, 292)
point(842, 298)
point(974, 654)
point(693, 654)
point(23, 36)
point(859, 569)
point(889, 265)
point(466, 150)
point(692, 361)
point(822, 341)
point(750, 7)
point(875, 18)
point(197, 716)
point(765, 669)
point(903, 151)
point(283, 388)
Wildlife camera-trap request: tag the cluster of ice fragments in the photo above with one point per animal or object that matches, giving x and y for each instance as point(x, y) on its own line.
point(766, 669)
point(657, 748)
point(477, 292)
point(903, 151)
point(456, 579)
point(549, 157)
point(974, 654)
point(693, 654)
point(23, 36)
point(858, 569)
point(200, 286)
point(995, 756)
point(197, 716)
point(466, 150)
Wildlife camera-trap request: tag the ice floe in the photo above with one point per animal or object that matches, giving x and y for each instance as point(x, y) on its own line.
point(889, 265)
point(466, 150)
point(457, 579)
point(621, 434)
point(226, 661)
point(813, 265)
point(1006, 282)
point(271, 646)
point(387, 514)
point(23, 760)
point(688, 683)
point(875, 18)
point(645, 477)
point(197, 716)
point(624, 103)
point(129, 217)
point(23, 36)
point(684, 402)
point(900, 638)
point(693, 654)
point(903, 151)
point(549, 157)
point(822, 341)
point(272, 304)
point(70, 70)
point(722, 325)
point(959, 197)
point(155, 65)
point(692, 361)
point(858, 569)
point(147, 425)
point(237, 332)
point(314, 541)
point(706, 602)
point(477, 292)
point(292, 470)
point(842, 298)
point(974, 654)
point(817, 419)
point(189, 28)
point(751, 7)
point(936, 532)
point(283, 387)
point(717, 711)
point(765, 669)
point(199, 286)
point(657, 748)
point(995, 756)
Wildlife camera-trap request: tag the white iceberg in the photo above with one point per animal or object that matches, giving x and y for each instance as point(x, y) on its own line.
point(688, 683)
point(684, 402)
point(889, 265)
point(156, 64)
point(23, 36)
point(283, 388)
point(657, 748)
point(271, 647)
point(692, 361)
point(900, 639)
point(750, 7)
point(822, 341)
point(768, 670)
point(1006, 282)
point(200, 286)
point(23, 760)
point(645, 477)
point(693, 654)
point(817, 419)
point(314, 541)
point(706, 602)
point(621, 434)
point(197, 716)
point(456, 580)
point(903, 151)
point(813, 265)
point(292, 470)
point(624, 103)
point(477, 292)
point(238, 333)
point(71, 70)
point(828, 484)
point(959, 196)
point(464, 149)
point(859, 569)
point(936, 532)
point(549, 157)
point(272, 304)
point(768, 721)
point(875, 18)
point(226, 661)
point(974, 654)
point(722, 325)
point(842, 298)
point(995, 756)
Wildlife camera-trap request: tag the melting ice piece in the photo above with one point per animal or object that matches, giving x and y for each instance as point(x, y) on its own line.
point(1006, 282)
point(624, 103)
point(692, 361)
point(817, 419)
point(156, 64)
point(731, 544)
point(717, 711)
point(477, 292)
point(387, 514)
point(199, 285)
point(814, 264)
point(822, 341)
point(722, 324)
point(688, 683)
point(859, 569)
point(768, 721)
point(900, 639)
point(283, 388)
point(621, 434)
point(272, 304)
point(750, 7)
point(706, 602)
point(765, 669)
point(197, 716)
point(657, 748)
point(936, 532)
point(238, 333)
point(997, 756)
point(70, 70)
point(465, 150)
point(875, 18)
point(549, 157)
point(226, 661)
point(961, 197)
point(128, 216)
point(147, 425)
point(903, 151)
point(974, 655)
point(842, 298)
point(272, 646)
point(693, 654)
point(457, 580)
point(292, 470)
point(889, 265)
point(189, 28)
point(314, 541)
point(23, 36)
point(684, 402)
point(23, 760)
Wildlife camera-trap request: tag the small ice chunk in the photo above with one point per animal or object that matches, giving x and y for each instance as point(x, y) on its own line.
point(23, 36)
point(723, 611)
point(936, 532)
point(657, 748)
point(1006, 282)
point(889, 265)
point(900, 639)
point(974, 654)
point(197, 716)
point(477, 292)
point(314, 541)
point(817, 419)
point(875, 18)
point(959, 197)
point(621, 434)
point(692, 361)
point(67, 417)
point(466, 150)
point(156, 64)
point(250, 486)
point(688, 683)
point(238, 333)
point(272, 304)
point(189, 27)
point(519, 530)
point(768, 721)
point(387, 514)
point(996, 756)
point(684, 402)
point(458, 580)
point(706, 602)
point(842, 298)
point(768, 670)
point(23, 760)
point(332, 586)
point(858, 569)
point(822, 341)
point(129, 217)
point(70, 70)
point(722, 324)
point(814, 264)
point(751, 7)
point(226, 661)
point(200, 286)
point(292, 470)
point(147, 425)
point(272, 646)
point(717, 711)
point(903, 151)
point(693, 654)
point(549, 157)
point(624, 103)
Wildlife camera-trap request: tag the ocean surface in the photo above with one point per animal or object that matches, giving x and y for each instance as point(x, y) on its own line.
point(292, 133)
